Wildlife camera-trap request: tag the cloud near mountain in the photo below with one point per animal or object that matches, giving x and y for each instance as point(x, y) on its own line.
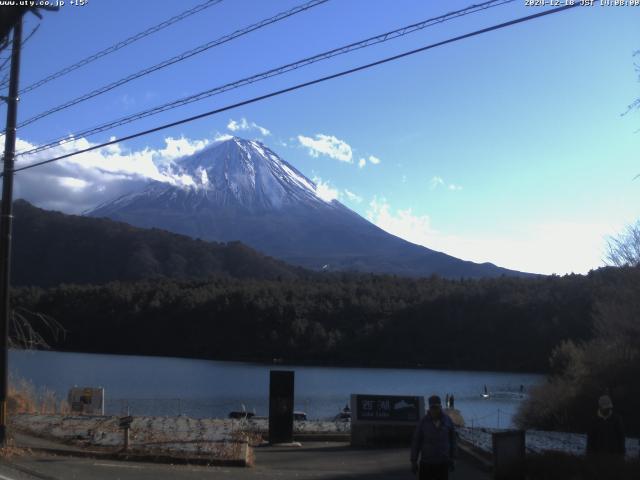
point(78, 183)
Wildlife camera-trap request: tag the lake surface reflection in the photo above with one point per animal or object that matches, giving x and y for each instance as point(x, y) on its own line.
point(204, 388)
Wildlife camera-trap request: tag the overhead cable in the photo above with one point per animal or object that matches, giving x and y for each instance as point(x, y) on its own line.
point(301, 85)
point(178, 58)
point(384, 37)
point(122, 44)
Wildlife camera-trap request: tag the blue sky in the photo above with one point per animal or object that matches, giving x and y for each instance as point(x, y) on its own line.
point(509, 147)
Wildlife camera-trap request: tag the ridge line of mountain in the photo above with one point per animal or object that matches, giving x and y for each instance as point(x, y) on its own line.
point(242, 190)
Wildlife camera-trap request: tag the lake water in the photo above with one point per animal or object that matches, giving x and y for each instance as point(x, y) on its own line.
point(204, 388)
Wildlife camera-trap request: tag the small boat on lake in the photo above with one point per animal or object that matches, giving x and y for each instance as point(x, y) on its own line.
point(504, 394)
point(485, 394)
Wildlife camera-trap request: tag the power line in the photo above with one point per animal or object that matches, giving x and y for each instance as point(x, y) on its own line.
point(31, 34)
point(302, 85)
point(122, 44)
point(178, 58)
point(384, 37)
point(5, 63)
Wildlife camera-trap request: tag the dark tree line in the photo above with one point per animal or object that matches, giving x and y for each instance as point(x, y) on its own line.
point(348, 319)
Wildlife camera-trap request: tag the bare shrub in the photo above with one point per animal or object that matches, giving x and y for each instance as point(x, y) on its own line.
point(624, 250)
point(23, 397)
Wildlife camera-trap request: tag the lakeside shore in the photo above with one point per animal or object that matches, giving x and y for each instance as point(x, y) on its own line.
point(216, 437)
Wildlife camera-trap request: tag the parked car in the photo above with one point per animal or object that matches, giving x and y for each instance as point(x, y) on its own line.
point(241, 414)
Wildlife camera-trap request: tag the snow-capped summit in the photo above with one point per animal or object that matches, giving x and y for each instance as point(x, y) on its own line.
point(249, 173)
point(242, 190)
point(235, 172)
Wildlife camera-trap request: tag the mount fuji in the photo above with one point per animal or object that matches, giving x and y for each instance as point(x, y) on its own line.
point(241, 190)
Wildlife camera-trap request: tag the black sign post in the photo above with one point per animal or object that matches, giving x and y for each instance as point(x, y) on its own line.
point(125, 424)
point(281, 406)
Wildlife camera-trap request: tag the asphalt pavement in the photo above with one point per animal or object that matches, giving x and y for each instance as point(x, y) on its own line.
point(317, 460)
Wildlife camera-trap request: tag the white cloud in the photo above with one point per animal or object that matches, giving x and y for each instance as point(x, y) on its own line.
point(548, 247)
point(221, 137)
point(327, 145)
point(362, 162)
point(235, 126)
point(244, 125)
point(180, 147)
point(436, 182)
point(402, 223)
point(325, 191)
point(352, 196)
point(73, 183)
point(374, 160)
point(83, 181)
point(263, 130)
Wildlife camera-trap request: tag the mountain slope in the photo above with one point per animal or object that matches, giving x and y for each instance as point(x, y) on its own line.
point(50, 248)
point(241, 190)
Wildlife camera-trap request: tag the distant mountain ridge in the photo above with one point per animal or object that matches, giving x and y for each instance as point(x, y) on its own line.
point(242, 190)
point(51, 248)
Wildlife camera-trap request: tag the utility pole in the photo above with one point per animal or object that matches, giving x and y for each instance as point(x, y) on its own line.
point(6, 221)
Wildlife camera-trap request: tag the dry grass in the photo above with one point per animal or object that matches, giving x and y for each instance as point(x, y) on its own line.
point(250, 437)
point(11, 451)
point(24, 398)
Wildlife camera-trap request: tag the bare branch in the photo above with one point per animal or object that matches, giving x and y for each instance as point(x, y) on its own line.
point(30, 330)
point(624, 250)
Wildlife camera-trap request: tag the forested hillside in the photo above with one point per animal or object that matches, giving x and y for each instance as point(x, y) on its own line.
point(501, 324)
point(51, 248)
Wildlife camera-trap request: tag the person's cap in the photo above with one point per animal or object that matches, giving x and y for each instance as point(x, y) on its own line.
point(434, 401)
point(604, 402)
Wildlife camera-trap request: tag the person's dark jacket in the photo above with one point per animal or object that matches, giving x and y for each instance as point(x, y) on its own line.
point(606, 436)
point(434, 444)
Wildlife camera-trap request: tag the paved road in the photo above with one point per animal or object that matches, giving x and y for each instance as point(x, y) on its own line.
point(326, 461)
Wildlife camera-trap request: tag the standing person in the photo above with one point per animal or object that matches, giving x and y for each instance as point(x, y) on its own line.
point(434, 442)
point(606, 435)
point(451, 401)
point(446, 400)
